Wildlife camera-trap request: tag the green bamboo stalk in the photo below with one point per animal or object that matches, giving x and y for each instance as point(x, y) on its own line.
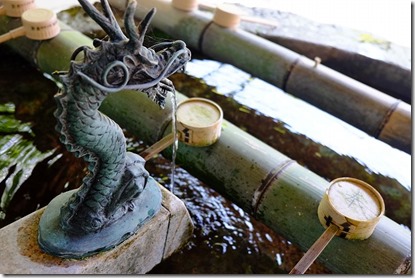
point(281, 135)
point(285, 196)
point(365, 107)
point(258, 178)
point(382, 75)
point(360, 105)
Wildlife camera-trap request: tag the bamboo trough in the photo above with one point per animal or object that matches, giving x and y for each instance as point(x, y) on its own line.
point(364, 107)
point(267, 184)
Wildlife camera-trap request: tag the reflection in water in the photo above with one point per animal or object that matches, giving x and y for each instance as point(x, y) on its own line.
point(226, 240)
point(318, 125)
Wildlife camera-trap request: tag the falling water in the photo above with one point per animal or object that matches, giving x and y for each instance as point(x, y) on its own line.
point(175, 139)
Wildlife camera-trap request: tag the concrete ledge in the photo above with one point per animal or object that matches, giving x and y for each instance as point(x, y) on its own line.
point(158, 239)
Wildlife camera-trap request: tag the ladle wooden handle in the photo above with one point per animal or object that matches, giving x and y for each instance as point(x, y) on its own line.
point(157, 147)
point(315, 250)
point(259, 20)
point(15, 33)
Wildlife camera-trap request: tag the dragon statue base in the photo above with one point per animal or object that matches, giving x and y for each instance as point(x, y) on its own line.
point(55, 241)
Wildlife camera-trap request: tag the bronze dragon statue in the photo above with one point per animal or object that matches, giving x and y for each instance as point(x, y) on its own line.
point(120, 61)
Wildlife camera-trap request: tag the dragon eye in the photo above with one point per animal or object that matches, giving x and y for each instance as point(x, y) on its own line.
point(130, 61)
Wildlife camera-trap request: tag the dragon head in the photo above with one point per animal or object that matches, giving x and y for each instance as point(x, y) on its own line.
point(121, 61)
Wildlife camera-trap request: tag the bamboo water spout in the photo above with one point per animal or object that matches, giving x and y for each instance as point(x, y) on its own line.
point(269, 185)
point(370, 110)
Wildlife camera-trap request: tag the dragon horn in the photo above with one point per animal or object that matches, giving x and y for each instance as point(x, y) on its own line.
point(136, 38)
point(129, 22)
point(107, 21)
point(142, 28)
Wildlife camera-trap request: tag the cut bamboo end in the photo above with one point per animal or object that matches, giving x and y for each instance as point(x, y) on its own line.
point(15, 8)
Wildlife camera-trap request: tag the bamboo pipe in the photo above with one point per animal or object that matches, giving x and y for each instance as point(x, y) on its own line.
point(264, 182)
point(391, 79)
point(285, 196)
point(376, 110)
point(325, 158)
point(360, 105)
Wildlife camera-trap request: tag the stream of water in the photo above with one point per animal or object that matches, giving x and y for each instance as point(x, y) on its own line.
point(175, 140)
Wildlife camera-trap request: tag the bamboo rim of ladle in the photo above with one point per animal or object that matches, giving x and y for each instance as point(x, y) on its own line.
point(363, 184)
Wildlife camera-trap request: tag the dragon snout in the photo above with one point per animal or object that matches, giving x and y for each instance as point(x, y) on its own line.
point(180, 46)
point(179, 56)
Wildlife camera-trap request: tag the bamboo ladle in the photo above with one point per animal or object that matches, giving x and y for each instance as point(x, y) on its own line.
point(225, 15)
point(37, 24)
point(351, 209)
point(15, 8)
point(199, 122)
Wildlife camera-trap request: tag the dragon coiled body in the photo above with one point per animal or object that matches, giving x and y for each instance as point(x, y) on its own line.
point(116, 177)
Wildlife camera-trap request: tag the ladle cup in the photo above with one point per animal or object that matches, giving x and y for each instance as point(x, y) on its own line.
point(15, 8)
point(199, 123)
point(38, 24)
point(225, 15)
point(351, 209)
